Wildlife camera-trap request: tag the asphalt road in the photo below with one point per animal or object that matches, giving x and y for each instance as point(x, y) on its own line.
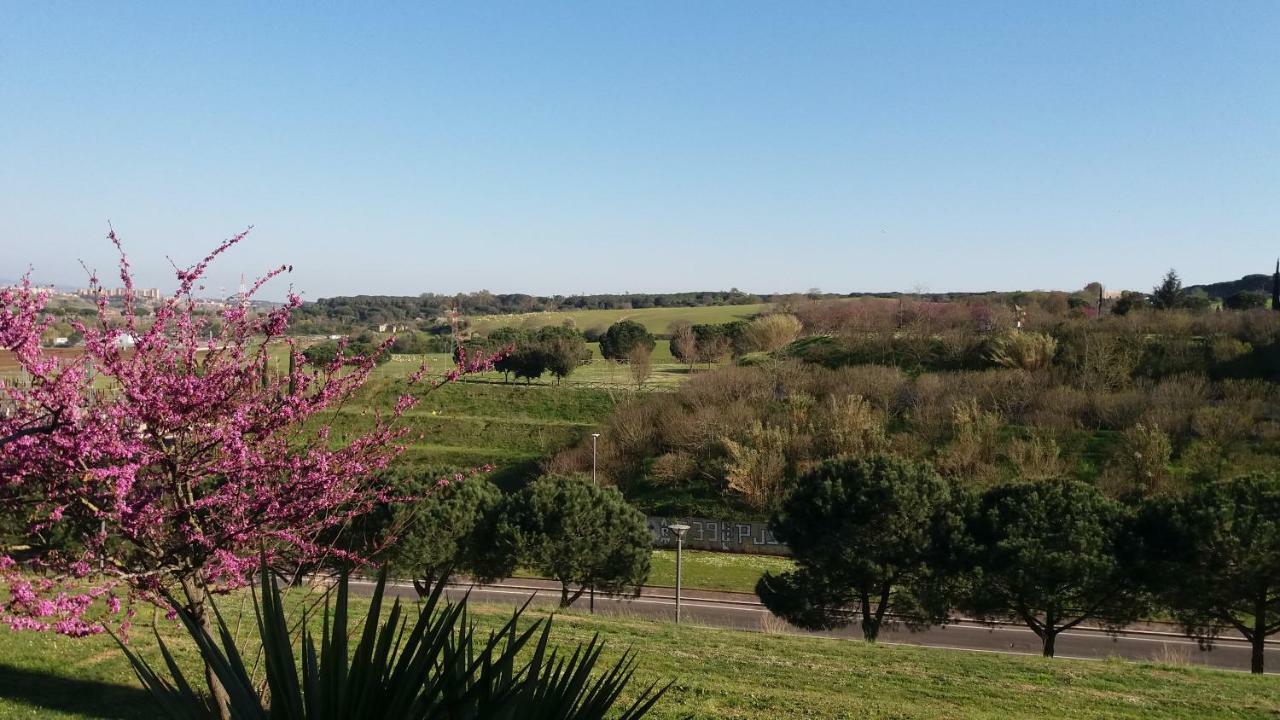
point(743, 612)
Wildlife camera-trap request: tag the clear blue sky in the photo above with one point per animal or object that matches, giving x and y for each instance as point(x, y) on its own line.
point(596, 147)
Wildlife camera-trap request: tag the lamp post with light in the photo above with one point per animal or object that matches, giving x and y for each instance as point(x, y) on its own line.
point(594, 437)
point(679, 529)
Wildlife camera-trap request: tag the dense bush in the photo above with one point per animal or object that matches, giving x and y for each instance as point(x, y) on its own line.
point(745, 433)
point(622, 337)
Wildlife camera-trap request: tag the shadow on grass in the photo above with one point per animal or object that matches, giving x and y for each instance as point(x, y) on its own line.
point(91, 698)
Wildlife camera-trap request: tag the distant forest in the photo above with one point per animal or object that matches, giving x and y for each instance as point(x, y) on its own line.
point(1224, 290)
point(428, 310)
point(364, 310)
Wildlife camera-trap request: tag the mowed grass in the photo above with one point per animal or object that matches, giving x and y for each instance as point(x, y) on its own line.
point(704, 570)
point(655, 319)
point(717, 674)
point(475, 423)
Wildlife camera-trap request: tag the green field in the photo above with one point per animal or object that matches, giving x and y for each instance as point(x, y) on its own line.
point(703, 570)
point(655, 319)
point(473, 423)
point(733, 572)
point(720, 674)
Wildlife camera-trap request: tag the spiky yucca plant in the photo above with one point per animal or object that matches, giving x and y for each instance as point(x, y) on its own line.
point(434, 666)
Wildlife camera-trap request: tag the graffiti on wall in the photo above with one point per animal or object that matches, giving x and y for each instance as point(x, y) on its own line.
point(752, 536)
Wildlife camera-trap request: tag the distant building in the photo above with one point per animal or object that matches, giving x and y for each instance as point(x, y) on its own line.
point(140, 293)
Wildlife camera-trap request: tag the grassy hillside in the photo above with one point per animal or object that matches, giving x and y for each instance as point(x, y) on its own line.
point(474, 423)
point(655, 319)
point(723, 674)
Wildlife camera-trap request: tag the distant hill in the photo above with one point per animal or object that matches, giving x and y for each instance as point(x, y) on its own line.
point(1224, 290)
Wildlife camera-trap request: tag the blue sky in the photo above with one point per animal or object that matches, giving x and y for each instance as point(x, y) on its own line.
point(648, 146)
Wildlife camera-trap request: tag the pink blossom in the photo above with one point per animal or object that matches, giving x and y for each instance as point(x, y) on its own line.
point(199, 457)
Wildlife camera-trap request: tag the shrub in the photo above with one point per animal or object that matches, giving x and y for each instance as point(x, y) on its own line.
point(1030, 351)
point(772, 332)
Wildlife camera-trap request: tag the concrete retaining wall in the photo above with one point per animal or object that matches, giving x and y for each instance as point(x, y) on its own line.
point(725, 535)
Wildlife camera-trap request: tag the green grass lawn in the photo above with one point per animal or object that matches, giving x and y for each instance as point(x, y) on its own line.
point(723, 674)
point(703, 570)
point(656, 320)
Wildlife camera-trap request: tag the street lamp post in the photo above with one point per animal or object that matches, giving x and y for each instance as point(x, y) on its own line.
point(594, 437)
point(679, 529)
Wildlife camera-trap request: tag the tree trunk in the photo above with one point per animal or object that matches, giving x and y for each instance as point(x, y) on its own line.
point(197, 604)
point(1050, 636)
point(425, 584)
point(1259, 639)
point(870, 624)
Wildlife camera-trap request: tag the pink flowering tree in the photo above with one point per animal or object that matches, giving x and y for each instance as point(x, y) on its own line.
point(169, 456)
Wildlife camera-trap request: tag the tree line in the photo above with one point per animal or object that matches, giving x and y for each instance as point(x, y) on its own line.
point(881, 539)
point(567, 528)
point(429, 309)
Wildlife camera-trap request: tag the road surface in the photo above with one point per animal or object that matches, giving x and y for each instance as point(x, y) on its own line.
point(741, 611)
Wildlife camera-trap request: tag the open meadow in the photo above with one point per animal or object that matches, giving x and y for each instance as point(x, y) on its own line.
point(656, 319)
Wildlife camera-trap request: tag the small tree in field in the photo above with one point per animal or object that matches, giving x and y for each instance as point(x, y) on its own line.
point(684, 345)
point(450, 528)
point(712, 343)
point(640, 364)
point(622, 337)
point(174, 462)
point(876, 534)
point(1049, 555)
point(580, 534)
point(1169, 295)
point(564, 348)
point(1213, 557)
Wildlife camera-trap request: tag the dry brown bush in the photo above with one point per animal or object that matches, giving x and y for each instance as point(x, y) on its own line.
point(672, 468)
point(1173, 401)
point(971, 455)
point(1140, 465)
point(1020, 350)
point(773, 332)
point(849, 426)
point(640, 364)
point(1059, 408)
point(1119, 410)
point(756, 467)
point(1036, 459)
point(1007, 392)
